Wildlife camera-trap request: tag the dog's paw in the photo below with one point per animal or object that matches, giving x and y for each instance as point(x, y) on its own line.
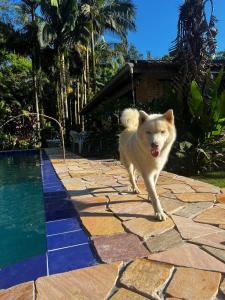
point(161, 216)
point(136, 190)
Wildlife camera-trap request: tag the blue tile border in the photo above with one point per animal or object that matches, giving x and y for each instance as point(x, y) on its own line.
point(18, 152)
point(68, 244)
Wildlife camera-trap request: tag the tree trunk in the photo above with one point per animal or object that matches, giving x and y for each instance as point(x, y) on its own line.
point(64, 85)
point(87, 69)
point(34, 74)
point(93, 57)
point(61, 91)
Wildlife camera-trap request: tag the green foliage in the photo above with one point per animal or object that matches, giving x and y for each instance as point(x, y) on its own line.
point(208, 116)
point(15, 99)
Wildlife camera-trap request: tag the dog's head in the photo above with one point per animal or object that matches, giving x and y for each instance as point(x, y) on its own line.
point(156, 131)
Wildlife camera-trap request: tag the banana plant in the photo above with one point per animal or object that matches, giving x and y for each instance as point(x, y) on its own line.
point(210, 115)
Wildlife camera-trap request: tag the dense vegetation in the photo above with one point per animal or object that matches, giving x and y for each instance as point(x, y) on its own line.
point(54, 58)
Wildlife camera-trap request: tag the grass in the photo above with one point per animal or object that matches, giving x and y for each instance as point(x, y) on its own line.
point(215, 178)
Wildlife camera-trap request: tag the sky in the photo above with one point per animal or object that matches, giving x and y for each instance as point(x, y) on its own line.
point(156, 22)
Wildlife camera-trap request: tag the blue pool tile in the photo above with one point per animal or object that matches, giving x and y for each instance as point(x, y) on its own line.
point(27, 270)
point(67, 239)
point(58, 205)
point(59, 214)
point(60, 226)
point(70, 259)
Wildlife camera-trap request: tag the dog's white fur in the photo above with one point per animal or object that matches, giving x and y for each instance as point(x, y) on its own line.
point(142, 132)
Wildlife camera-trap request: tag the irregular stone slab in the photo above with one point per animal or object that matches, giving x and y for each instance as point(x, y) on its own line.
point(169, 195)
point(124, 294)
point(192, 284)
point(90, 205)
point(221, 198)
point(189, 256)
point(24, 291)
point(93, 283)
point(216, 240)
point(122, 198)
point(171, 205)
point(164, 241)
point(218, 253)
point(222, 287)
point(121, 247)
point(146, 227)
point(222, 226)
point(127, 210)
point(206, 188)
point(102, 225)
point(179, 188)
point(214, 215)
point(190, 229)
point(146, 276)
point(196, 197)
point(193, 209)
point(166, 180)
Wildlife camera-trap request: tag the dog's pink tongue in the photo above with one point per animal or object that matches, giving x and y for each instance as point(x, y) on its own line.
point(155, 151)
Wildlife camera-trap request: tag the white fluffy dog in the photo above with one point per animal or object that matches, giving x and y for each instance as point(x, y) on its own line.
point(144, 146)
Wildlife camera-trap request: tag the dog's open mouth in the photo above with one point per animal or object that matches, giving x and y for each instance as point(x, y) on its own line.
point(155, 151)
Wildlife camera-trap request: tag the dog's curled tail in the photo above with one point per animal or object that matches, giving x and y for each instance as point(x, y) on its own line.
point(130, 118)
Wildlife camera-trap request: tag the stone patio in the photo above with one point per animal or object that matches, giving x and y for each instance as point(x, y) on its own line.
point(139, 257)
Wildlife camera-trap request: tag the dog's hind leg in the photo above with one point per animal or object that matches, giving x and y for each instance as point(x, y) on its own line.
point(131, 172)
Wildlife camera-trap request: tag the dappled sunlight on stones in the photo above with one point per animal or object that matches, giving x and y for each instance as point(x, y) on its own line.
point(93, 283)
point(146, 276)
point(192, 284)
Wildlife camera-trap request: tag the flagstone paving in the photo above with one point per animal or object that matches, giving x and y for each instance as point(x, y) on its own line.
point(192, 284)
point(139, 257)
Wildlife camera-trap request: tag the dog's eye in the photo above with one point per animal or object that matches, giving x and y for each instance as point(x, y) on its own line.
point(162, 131)
point(148, 132)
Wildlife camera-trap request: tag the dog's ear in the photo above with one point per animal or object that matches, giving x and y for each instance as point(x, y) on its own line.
point(169, 116)
point(142, 117)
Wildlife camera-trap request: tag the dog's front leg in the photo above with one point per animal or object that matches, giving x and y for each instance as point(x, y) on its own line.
point(150, 185)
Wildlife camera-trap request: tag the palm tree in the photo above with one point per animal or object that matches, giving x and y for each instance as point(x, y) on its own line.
point(193, 48)
point(116, 16)
point(28, 8)
point(57, 31)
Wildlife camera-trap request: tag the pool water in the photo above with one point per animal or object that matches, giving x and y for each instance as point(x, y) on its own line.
point(22, 221)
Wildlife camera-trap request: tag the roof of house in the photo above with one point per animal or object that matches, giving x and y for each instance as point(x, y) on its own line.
point(123, 80)
point(121, 83)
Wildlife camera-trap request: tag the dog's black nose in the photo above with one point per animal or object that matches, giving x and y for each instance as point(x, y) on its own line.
point(154, 145)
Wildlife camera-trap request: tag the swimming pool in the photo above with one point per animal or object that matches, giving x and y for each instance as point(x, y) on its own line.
point(40, 231)
point(22, 223)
